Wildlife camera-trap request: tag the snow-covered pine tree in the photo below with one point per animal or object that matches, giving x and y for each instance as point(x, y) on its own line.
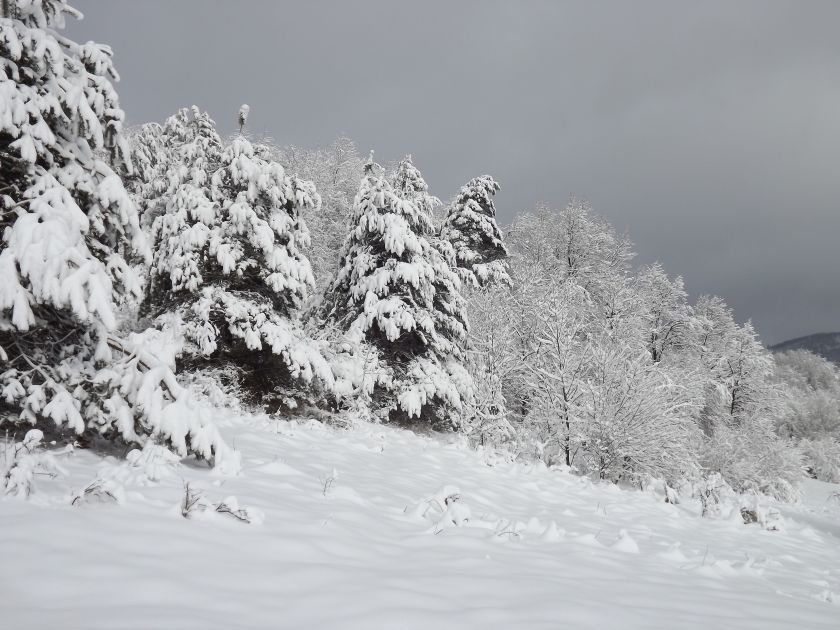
point(398, 292)
point(470, 227)
point(185, 149)
point(229, 264)
point(179, 199)
point(151, 157)
point(68, 225)
point(409, 184)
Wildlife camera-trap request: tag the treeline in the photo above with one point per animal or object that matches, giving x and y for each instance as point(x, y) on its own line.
point(576, 357)
point(319, 282)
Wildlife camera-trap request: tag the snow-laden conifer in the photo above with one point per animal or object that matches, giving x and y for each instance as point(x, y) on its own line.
point(68, 226)
point(470, 227)
point(397, 291)
point(409, 184)
point(229, 262)
point(186, 149)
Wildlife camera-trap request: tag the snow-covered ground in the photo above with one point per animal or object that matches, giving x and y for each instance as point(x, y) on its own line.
point(349, 531)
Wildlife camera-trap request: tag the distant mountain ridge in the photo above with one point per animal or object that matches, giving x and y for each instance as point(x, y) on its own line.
point(826, 345)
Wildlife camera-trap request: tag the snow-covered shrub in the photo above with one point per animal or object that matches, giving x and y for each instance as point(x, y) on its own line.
point(485, 416)
point(711, 489)
point(219, 385)
point(143, 388)
point(396, 291)
point(456, 514)
point(443, 509)
point(811, 410)
point(195, 505)
point(751, 458)
point(193, 501)
point(361, 376)
point(636, 421)
point(753, 510)
point(155, 460)
point(21, 461)
point(230, 507)
point(99, 491)
point(822, 458)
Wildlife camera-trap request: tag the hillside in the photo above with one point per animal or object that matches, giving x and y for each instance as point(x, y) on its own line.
point(826, 345)
point(350, 530)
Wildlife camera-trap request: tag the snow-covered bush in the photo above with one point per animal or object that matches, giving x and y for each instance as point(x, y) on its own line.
point(751, 458)
point(21, 461)
point(822, 458)
point(636, 421)
point(711, 489)
point(195, 505)
point(811, 411)
point(99, 491)
point(155, 460)
point(443, 509)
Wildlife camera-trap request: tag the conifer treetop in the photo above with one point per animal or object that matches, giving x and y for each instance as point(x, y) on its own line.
point(409, 184)
point(470, 228)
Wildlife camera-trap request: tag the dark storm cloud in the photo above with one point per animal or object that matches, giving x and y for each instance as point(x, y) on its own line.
point(710, 131)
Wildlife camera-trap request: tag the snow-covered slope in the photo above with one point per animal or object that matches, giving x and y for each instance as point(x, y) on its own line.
point(349, 531)
point(826, 345)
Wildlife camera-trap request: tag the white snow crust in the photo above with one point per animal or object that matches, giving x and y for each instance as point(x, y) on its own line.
point(376, 527)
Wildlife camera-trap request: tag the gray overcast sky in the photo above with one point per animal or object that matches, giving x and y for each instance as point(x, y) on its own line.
point(710, 131)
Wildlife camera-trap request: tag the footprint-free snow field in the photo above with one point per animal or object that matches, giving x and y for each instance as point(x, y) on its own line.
point(376, 527)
